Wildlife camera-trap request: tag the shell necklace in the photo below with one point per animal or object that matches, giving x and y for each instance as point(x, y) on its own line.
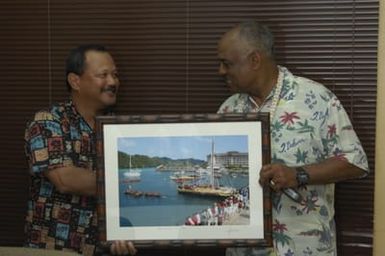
point(275, 99)
point(276, 96)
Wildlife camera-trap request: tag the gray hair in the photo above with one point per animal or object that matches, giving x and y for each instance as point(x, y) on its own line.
point(257, 35)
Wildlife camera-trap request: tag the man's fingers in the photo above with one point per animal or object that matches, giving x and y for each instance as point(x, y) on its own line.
point(273, 185)
point(113, 248)
point(123, 248)
point(265, 175)
point(131, 248)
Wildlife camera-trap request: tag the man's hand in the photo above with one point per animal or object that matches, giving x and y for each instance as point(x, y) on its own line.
point(122, 248)
point(278, 176)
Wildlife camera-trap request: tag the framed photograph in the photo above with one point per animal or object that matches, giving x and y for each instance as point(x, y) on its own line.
point(177, 180)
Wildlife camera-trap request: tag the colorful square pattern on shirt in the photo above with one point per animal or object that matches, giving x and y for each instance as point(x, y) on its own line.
point(56, 138)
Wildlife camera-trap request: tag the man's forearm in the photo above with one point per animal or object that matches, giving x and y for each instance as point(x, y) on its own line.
point(329, 171)
point(332, 170)
point(73, 180)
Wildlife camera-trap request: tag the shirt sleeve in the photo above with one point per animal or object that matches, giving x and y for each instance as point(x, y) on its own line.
point(44, 143)
point(339, 137)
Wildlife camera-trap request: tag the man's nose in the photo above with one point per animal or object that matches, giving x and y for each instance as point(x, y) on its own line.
point(112, 79)
point(222, 70)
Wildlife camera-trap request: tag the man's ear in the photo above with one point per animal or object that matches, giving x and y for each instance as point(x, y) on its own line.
point(255, 59)
point(73, 80)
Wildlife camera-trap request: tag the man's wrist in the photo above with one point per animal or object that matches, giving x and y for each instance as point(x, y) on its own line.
point(302, 176)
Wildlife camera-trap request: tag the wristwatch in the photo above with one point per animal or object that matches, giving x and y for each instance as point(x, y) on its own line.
point(302, 176)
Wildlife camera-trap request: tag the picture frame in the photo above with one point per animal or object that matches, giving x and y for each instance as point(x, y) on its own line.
point(180, 196)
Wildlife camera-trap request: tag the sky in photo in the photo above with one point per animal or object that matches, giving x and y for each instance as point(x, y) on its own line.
point(197, 147)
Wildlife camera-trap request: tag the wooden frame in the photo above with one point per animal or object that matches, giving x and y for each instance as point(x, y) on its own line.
point(152, 209)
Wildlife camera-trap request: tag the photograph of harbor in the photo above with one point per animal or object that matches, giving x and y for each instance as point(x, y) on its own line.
point(183, 180)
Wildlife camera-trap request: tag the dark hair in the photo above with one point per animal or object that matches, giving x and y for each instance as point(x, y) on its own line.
point(76, 59)
point(257, 35)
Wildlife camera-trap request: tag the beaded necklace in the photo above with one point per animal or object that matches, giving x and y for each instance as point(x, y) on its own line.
point(276, 96)
point(275, 99)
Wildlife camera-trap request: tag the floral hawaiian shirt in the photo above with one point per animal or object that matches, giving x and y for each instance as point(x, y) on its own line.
point(56, 138)
point(309, 126)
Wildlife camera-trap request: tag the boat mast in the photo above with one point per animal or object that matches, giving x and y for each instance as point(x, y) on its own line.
point(212, 164)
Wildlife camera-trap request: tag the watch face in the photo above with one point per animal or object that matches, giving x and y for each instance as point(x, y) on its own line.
point(302, 177)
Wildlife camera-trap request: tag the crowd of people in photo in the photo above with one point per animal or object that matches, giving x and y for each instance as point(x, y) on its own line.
point(221, 211)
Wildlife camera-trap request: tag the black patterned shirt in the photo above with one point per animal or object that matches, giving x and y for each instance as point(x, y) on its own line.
point(57, 138)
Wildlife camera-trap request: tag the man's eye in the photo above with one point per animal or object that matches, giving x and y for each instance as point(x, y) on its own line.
point(102, 75)
point(226, 64)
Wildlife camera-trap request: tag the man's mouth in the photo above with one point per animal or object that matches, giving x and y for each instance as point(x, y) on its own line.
point(229, 83)
point(112, 89)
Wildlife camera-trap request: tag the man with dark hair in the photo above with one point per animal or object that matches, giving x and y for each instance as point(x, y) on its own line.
point(313, 144)
point(60, 146)
point(76, 61)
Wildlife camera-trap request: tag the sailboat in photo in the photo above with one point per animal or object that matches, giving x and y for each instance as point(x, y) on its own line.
point(209, 189)
point(132, 174)
point(181, 177)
